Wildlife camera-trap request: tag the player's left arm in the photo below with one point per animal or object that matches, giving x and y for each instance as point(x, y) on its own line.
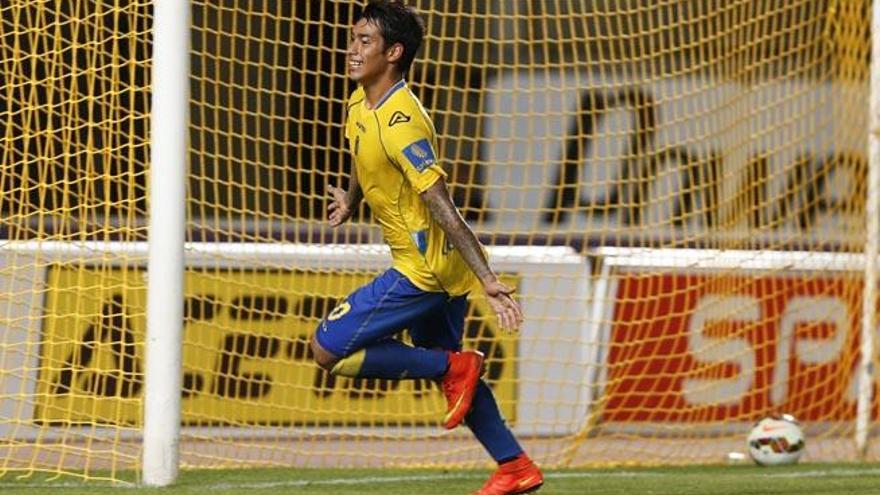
point(499, 295)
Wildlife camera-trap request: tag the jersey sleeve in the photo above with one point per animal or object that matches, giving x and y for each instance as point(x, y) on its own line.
point(412, 149)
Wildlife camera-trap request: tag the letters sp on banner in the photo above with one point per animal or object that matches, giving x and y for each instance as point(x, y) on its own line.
point(698, 347)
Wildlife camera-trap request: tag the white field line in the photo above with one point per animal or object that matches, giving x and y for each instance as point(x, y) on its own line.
point(269, 485)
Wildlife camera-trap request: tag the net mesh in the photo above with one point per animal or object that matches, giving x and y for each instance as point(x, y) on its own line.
point(74, 114)
point(714, 149)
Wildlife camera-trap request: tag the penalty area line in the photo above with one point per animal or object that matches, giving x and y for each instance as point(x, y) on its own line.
point(269, 485)
point(550, 476)
point(823, 473)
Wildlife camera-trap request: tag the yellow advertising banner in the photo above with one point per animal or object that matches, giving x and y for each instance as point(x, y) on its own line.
point(246, 358)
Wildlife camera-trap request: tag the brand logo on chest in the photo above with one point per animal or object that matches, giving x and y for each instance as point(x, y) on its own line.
point(398, 117)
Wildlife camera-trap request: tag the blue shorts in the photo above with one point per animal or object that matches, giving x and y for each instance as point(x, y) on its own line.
point(388, 305)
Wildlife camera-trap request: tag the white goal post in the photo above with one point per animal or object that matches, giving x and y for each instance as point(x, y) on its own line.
point(169, 129)
point(872, 240)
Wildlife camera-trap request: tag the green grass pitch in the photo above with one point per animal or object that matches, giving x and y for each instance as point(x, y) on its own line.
point(805, 479)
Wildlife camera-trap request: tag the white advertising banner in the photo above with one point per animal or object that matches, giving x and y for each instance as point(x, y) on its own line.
point(625, 156)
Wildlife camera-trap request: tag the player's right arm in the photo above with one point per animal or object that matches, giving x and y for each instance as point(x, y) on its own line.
point(498, 295)
point(344, 203)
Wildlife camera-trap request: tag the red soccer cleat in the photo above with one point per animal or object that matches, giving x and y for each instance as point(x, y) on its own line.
point(459, 384)
point(518, 476)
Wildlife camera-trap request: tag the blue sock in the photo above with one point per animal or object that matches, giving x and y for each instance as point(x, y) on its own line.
point(392, 359)
point(485, 421)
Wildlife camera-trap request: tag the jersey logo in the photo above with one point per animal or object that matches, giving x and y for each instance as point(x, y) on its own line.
point(420, 154)
point(397, 118)
point(360, 126)
point(339, 311)
point(357, 144)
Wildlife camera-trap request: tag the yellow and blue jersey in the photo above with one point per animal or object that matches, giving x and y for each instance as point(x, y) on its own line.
point(394, 147)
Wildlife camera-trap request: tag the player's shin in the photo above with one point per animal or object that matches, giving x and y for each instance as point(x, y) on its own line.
point(485, 421)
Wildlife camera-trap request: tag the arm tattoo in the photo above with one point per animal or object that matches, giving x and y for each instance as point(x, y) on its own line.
point(457, 231)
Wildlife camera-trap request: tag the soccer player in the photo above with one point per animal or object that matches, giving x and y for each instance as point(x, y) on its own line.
point(437, 259)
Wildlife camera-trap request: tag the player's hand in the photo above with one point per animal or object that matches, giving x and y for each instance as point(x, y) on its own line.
point(506, 309)
point(338, 209)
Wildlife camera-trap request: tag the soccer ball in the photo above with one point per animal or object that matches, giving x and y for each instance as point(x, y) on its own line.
point(776, 441)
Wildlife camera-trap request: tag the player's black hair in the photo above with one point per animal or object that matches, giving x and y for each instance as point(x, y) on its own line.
point(397, 23)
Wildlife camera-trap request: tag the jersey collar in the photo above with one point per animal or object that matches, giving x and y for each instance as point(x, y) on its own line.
point(391, 91)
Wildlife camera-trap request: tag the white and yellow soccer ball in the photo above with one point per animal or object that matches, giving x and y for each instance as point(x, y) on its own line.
point(776, 441)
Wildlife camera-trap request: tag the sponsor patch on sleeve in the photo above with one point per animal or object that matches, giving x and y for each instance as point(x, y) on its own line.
point(420, 154)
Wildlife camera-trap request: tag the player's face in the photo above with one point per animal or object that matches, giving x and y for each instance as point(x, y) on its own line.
point(366, 53)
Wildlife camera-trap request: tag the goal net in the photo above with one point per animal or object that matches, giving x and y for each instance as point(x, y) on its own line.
point(676, 189)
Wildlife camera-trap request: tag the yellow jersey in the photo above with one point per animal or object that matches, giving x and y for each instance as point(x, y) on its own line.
point(394, 147)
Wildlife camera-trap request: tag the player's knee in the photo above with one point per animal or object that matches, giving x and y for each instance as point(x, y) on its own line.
point(323, 358)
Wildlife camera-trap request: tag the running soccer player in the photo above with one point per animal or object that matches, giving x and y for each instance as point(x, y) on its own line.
point(437, 259)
